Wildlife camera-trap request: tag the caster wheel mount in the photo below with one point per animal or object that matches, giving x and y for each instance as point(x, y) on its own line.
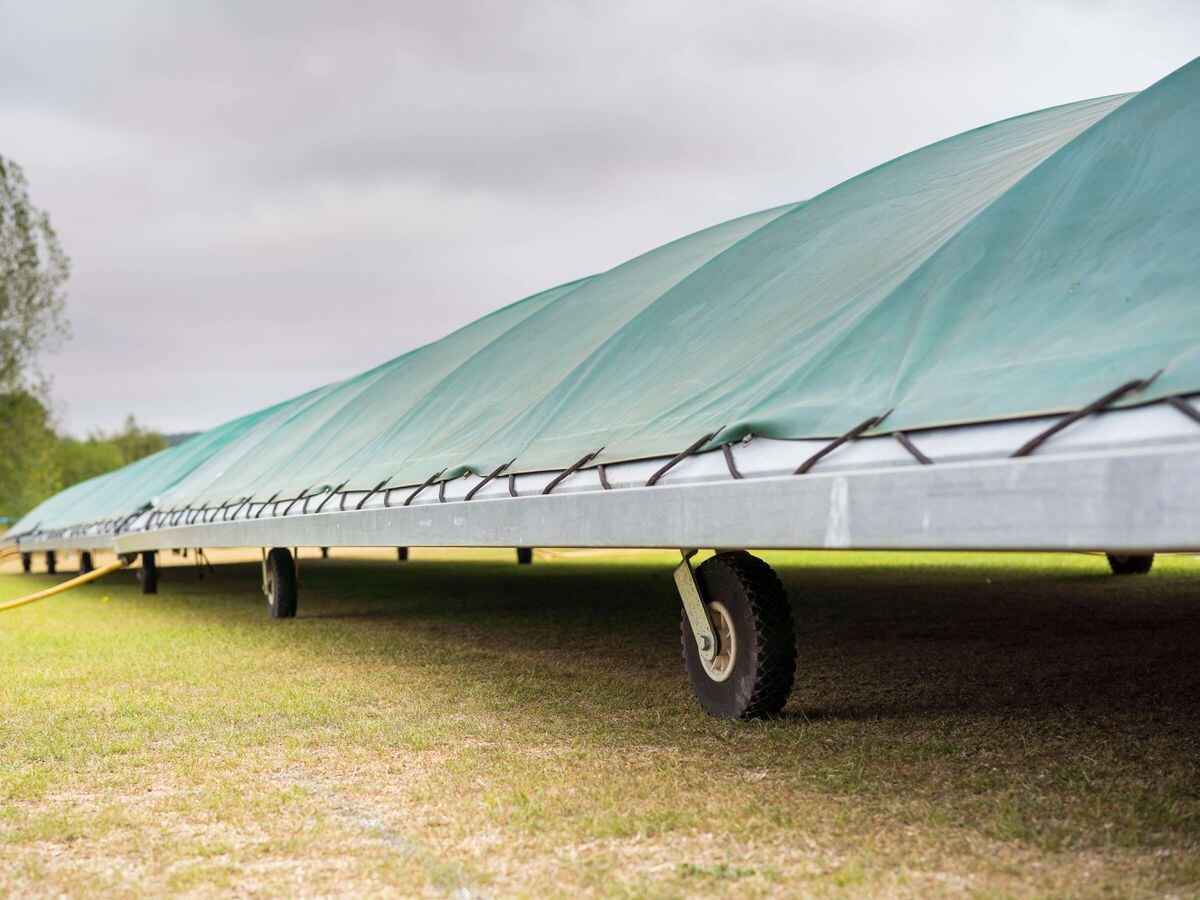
point(748, 661)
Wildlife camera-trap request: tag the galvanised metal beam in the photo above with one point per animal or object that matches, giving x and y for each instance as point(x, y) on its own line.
point(79, 542)
point(1138, 500)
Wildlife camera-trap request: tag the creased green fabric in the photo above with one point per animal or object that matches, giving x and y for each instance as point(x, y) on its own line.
point(1022, 268)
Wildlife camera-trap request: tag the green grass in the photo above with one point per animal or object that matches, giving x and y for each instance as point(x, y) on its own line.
point(985, 724)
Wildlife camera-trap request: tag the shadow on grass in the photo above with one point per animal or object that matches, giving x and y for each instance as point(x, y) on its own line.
point(965, 636)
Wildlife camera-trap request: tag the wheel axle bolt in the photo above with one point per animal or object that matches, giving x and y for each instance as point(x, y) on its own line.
point(705, 642)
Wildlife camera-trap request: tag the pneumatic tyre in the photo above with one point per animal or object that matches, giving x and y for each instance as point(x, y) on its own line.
point(281, 587)
point(1130, 565)
point(755, 665)
point(524, 556)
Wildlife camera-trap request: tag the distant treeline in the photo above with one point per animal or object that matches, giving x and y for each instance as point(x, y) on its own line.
point(36, 461)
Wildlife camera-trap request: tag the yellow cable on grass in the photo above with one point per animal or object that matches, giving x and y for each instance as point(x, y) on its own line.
point(65, 586)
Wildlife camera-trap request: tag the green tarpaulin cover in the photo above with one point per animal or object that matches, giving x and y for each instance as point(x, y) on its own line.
point(1023, 268)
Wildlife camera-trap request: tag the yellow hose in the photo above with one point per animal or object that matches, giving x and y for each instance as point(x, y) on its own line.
point(65, 586)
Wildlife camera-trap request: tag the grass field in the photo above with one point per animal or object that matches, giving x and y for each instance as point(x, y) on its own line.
point(982, 724)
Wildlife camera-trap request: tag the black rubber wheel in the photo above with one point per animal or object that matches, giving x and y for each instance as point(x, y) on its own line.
point(401, 554)
point(51, 563)
point(281, 587)
point(26, 563)
point(524, 556)
point(324, 553)
point(1130, 565)
point(756, 639)
point(85, 562)
point(148, 573)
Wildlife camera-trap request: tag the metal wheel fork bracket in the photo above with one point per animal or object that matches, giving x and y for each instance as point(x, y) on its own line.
point(266, 576)
point(693, 607)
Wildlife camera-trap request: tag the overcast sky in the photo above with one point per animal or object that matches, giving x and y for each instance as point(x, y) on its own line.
point(262, 197)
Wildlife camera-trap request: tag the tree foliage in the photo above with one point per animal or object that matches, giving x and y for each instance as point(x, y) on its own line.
point(102, 452)
point(134, 441)
point(29, 464)
point(35, 462)
point(33, 273)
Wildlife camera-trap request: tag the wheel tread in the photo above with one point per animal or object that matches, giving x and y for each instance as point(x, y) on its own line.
point(775, 636)
point(282, 601)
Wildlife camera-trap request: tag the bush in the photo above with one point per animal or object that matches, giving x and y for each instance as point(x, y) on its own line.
point(35, 462)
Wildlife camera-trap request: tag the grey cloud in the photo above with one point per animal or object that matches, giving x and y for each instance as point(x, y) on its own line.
point(261, 197)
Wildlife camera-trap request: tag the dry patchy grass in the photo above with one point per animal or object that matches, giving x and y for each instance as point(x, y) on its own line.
point(458, 725)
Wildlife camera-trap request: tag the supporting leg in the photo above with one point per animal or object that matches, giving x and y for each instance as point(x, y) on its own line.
point(524, 556)
point(1130, 565)
point(85, 562)
point(280, 583)
point(401, 554)
point(695, 613)
point(51, 562)
point(26, 563)
point(739, 643)
point(324, 553)
point(148, 573)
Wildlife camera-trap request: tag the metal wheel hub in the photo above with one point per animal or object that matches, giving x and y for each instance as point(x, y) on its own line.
point(720, 667)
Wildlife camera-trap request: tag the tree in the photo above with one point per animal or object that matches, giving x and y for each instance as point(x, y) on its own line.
point(33, 272)
point(80, 460)
point(135, 441)
point(35, 462)
point(102, 451)
point(29, 458)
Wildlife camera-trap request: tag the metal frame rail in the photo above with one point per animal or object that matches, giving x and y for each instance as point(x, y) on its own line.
point(1141, 499)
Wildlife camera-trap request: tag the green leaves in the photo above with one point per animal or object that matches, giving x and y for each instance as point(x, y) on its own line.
point(33, 272)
